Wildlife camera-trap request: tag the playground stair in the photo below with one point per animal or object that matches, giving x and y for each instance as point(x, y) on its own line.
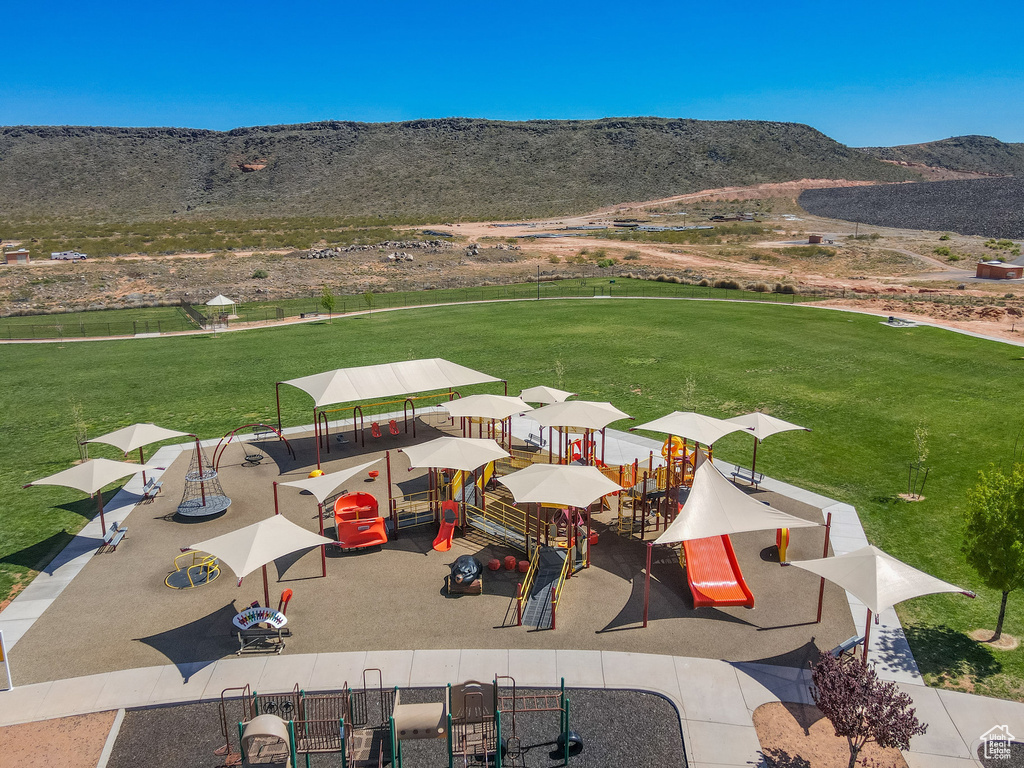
point(538, 607)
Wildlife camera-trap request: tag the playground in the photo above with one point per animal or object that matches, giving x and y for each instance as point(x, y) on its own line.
point(394, 596)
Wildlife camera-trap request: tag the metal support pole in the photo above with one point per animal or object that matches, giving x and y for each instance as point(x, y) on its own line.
point(142, 460)
point(323, 547)
point(647, 581)
point(316, 436)
point(266, 588)
point(99, 503)
point(276, 510)
point(821, 587)
point(867, 636)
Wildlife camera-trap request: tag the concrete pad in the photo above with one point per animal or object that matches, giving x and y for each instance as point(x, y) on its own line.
point(130, 688)
point(762, 683)
point(25, 609)
point(481, 665)
point(282, 672)
point(395, 666)
point(942, 737)
point(14, 631)
point(711, 692)
point(645, 671)
point(332, 670)
point(20, 705)
point(72, 697)
point(721, 744)
point(581, 669)
point(973, 716)
point(434, 668)
point(533, 668)
point(916, 760)
point(177, 685)
point(233, 673)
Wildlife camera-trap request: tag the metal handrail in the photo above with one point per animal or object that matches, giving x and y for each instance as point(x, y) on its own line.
point(531, 574)
point(561, 581)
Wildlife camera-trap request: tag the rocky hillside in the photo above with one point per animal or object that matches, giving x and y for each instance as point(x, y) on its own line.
point(978, 154)
point(425, 168)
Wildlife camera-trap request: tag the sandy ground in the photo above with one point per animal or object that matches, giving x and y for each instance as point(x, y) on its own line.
point(67, 742)
point(794, 735)
point(394, 597)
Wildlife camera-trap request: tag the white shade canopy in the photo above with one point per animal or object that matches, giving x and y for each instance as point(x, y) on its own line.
point(571, 486)
point(220, 300)
point(583, 414)
point(486, 406)
point(545, 395)
point(716, 507)
point(323, 486)
point(763, 425)
point(248, 548)
point(136, 436)
point(90, 476)
point(875, 578)
point(465, 453)
point(693, 426)
point(369, 382)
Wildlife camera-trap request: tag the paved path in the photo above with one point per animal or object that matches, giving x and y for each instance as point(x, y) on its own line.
point(717, 729)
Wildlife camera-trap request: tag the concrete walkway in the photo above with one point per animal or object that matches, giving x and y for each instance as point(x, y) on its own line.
point(717, 729)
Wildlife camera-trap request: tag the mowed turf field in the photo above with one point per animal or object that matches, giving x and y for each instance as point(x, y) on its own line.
point(862, 387)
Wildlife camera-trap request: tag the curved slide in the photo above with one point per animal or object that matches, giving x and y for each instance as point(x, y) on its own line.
point(713, 573)
point(449, 519)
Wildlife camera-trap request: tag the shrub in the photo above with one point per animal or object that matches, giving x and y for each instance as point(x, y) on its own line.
point(260, 274)
point(811, 251)
point(758, 287)
point(727, 284)
point(632, 256)
point(960, 286)
point(780, 288)
point(605, 263)
point(704, 283)
point(944, 237)
point(942, 250)
point(954, 257)
point(554, 259)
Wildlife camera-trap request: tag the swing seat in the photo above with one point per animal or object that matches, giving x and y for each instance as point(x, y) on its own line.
point(375, 429)
point(393, 427)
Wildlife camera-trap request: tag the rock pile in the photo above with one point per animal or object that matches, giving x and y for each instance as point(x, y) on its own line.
point(398, 257)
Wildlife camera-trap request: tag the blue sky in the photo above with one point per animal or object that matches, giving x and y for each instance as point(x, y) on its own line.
point(866, 73)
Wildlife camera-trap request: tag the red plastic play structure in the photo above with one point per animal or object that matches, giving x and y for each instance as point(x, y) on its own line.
point(355, 516)
point(449, 519)
point(713, 573)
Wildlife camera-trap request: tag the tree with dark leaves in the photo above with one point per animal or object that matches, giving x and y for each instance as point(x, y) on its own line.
point(861, 707)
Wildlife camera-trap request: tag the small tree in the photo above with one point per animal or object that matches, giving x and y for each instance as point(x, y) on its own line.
point(861, 707)
point(327, 302)
point(368, 297)
point(994, 536)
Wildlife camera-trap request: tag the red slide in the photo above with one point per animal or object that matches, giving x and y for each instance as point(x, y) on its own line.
point(449, 519)
point(713, 573)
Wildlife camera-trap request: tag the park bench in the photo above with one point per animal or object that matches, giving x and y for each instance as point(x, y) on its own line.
point(113, 536)
point(261, 640)
point(536, 440)
point(847, 646)
point(152, 488)
point(747, 476)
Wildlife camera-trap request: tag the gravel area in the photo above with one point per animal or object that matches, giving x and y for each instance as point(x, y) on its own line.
point(617, 728)
point(986, 207)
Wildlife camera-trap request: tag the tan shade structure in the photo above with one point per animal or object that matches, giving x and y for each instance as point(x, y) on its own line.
point(323, 486)
point(90, 476)
point(137, 435)
point(692, 426)
point(369, 382)
point(716, 507)
point(877, 579)
point(254, 546)
point(545, 395)
point(566, 485)
point(763, 426)
point(220, 300)
point(486, 406)
point(464, 453)
point(582, 414)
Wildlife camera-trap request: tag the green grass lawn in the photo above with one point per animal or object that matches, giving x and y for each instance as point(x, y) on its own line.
point(862, 387)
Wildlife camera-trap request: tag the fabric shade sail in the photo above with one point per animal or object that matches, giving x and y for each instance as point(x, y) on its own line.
point(545, 395)
point(248, 548)
point(877, 579)
point(692, 426)
point(323, 486)
point(571, 486)
point(763, 425)
point(486, 406)
point(137, 436)
point(90, 476)
point(582, 414)
point(370, 382)
point(715, 507)
point(464, 453)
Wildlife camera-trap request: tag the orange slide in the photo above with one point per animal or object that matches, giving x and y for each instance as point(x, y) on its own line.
point(713, 573)
point(449, 519)
point(357, 522)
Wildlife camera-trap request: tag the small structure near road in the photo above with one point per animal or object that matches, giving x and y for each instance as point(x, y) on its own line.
point(19, 256)
point(997, 270)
